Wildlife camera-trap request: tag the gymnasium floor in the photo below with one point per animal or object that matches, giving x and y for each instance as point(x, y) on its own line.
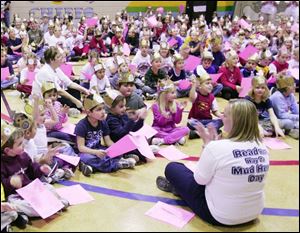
point(122, 198)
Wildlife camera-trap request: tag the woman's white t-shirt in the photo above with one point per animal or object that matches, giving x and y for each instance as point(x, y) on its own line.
point(234, 174)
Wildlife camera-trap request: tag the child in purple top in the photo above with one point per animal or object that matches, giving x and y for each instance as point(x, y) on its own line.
point(167, 113)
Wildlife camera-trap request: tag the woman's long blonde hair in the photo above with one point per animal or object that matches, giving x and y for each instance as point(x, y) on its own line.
point(244, 121)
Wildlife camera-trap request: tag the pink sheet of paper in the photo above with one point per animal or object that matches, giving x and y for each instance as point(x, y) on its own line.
point(246, 85)
point(227, 46)
point(247, 52)
point(184, 84)
point(143, 147)
point(30, 77)
point(160, 10)
point(75, 194)
point(295, 27)
point(67, 69)
point(122, 146)
point(276, 144)
point(68, 128)
point(244, 24)
point(172, 42)
point(152, 22)
point(295, 73)
point(91, 22)
point(146, 131)
point(215, 77)
point(88, 76)
point(181, 9)
point(132, 68)
point(70, 159)
point(272, 79)
point(191, 63)
point(126, 49)
point(172, 153)
point(4, 73)
point(170, 214)
point(43, 201)
point(191, 165)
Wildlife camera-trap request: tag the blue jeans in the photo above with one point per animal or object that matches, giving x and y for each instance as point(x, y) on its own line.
point(189, 190)
point(104, 165)
point(217, 89)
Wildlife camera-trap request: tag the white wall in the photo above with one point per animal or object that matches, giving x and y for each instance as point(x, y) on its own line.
point(77, 8)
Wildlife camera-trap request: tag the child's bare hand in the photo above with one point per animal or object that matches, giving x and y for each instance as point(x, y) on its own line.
point(101, 153)
point(65, 109)
point(238, 89)
point(48, 103)
point(16, 181)
point(142, 113)
point(5, 207)
point(46, 169)
point(182, 105)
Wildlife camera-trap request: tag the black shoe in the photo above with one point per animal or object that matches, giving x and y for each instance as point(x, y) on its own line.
point(193, 134)
point(21, 221)
point(163, 184)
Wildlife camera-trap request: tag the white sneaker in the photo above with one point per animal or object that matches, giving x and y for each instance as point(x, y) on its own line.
point(294, 133)
point(73, 112)
point(157, 141)
point(126, 163)
point(182, 141)
point(154, 148)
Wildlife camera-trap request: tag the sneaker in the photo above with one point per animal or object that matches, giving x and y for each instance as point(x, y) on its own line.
point(68, 173)
point(157, 141)
point(126, 163)
point(86, 170)
point(65, 202)
point(154, 148)
point(163, 184)
point(182, 141)
point(294, 133)
point(135, 157)
point(74, 112)
point(21, 221)
point(193, 134)
point(58, 175)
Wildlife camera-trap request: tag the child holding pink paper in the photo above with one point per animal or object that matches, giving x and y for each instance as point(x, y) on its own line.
point(18, 170)
point(177, 74)
point(231, 77)
point(27, 75)
point(120, 124)
point(89, 132)
point(203, 103)
point(5, 64)
point(259, 95)
point(87, 71)
point(166, 114)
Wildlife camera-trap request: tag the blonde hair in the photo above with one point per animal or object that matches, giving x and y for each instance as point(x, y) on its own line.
point(244, 121)
point(259, 81)
point(163, 106)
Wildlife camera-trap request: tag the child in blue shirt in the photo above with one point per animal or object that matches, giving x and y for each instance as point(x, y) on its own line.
point(119, 122)
point(89, 132)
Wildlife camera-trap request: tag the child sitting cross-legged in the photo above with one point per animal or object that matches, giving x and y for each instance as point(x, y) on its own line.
point(18, 170)
point(119, 122)
point(166, 114)
point(89, 132)
point(204, 103)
